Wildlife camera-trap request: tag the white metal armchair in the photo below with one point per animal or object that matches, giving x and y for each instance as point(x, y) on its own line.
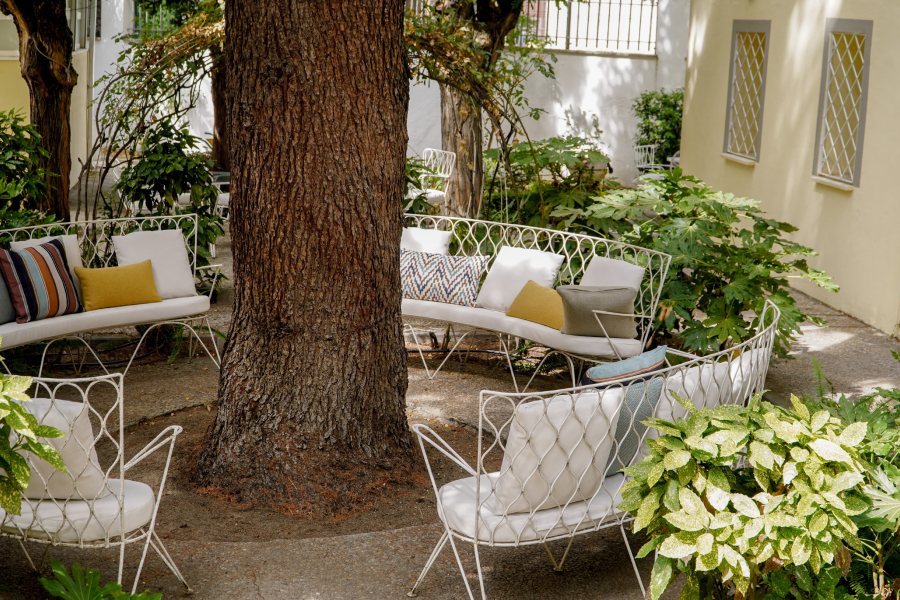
point(93, 504)
point(439, 166)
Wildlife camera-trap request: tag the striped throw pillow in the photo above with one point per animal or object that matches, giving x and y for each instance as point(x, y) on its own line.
point(39, 282)
point(440, 277)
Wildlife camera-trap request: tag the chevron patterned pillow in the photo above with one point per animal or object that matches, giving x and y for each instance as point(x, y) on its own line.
point(440, 277)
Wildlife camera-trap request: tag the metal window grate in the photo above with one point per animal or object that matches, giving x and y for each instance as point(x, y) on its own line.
point(746, 88)
point(627, 26)
point(842, 103)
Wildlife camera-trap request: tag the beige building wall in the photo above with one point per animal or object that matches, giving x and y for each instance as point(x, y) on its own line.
point(14, 94)
point(856, 231)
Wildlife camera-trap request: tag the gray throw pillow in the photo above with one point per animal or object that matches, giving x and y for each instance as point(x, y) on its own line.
point(639, 405)
point(7, 312)
point(579, 302)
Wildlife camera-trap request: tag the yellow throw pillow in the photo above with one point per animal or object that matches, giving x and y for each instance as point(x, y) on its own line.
point(117, 286)
point(538, 304)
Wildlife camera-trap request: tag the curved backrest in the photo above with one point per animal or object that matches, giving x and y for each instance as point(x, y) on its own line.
point(473, 237)
point(440, 163)
point(645, 155)
point(83, 504)
point(95, 237)
point(550, 463)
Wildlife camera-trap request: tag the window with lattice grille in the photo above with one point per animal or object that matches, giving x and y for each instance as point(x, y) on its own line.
point(842, 101)
point(746, 88)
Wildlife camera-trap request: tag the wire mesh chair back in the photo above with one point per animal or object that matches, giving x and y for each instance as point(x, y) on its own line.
point(645, 156)
point(84, 505)
point(95, 237)
point(472, 237)
point(439, 165)
point(550, 464)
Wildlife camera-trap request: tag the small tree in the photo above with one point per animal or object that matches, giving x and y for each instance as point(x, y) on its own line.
point(45, 56)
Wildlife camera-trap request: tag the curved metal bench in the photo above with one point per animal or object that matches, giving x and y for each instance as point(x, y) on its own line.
point(561, 453)
point(97, 250)
point(474, 237)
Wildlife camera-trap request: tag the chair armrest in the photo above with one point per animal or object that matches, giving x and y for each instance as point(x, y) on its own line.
point(166, 437)
point(216, 271)
point(429, 436)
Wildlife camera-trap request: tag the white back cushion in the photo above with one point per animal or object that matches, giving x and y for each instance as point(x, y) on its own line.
point(71, 247)
point(432, 241)
point(612, 272)
point(557, 451)
point(511, 270)
point(84, 479)
point(166, 251)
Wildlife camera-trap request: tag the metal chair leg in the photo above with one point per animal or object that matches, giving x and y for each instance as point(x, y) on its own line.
point(438, 548)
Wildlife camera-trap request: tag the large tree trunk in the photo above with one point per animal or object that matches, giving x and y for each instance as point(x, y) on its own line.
point(45, 56)
point(461, 133)
point(218, 77)
point(311, 395)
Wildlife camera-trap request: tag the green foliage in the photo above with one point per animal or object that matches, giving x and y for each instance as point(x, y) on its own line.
point(23, 180)
point(727, 258)
point(875, 567)
point(416, 172)
point(659, 121)
point(19, 433)
point(539, 177)
point(752, 499)
point(11, 217)
point(167, 168)
point(85, 585)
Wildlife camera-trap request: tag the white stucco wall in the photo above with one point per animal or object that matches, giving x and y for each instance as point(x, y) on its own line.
point(585, 85)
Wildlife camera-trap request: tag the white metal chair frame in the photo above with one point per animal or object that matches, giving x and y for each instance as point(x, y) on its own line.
point(109, 430)
point(440, 165)
point(645, 158)
point(730, 376)
point(475, 237)
point(97, 250)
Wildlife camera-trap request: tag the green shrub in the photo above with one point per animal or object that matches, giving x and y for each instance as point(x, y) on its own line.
point(16, 420)
point(749, 501)
point(23, 180)
point(542, 176)
point(85, 585)
point(659, 121)
point(727, 258)
point(416, 169)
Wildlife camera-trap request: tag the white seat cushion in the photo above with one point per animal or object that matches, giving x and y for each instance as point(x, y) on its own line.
point(511, 270)
point(85, 521)
point(474, 520)
point(166, 250)
point(493, 320)
point(611, 272)
point(556, 451)
point(16, 334)
point(83, 477)
point(418, 239)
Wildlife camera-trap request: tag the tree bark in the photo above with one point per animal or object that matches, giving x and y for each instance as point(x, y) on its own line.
point(45, 57)
point(311, 412)
point(461, 132)
point(218, 77)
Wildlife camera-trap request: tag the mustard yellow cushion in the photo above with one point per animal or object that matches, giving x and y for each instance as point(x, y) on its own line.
point(538, 304)
point(117, 286)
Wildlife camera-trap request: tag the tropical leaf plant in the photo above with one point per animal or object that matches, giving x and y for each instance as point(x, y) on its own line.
point(732, 495)
point(82, 584)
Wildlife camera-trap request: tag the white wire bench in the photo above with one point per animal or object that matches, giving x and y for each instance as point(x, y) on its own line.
point(549, 465)
point(97, 250)
point(95, 503)
point(472, 237)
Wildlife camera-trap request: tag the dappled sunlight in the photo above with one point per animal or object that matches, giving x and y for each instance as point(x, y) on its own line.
point(825, 338)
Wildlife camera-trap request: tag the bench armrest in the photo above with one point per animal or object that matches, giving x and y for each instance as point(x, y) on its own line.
point(166, 437)
point(216, 271)
point(429, 436)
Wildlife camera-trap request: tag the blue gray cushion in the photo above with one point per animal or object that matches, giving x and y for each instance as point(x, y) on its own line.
point(638, 406)
point(647, 362)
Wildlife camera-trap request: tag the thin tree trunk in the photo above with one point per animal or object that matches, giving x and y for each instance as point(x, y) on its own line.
point(461, 133)
point(311, 411)
point(45, 56)
point(218, 77)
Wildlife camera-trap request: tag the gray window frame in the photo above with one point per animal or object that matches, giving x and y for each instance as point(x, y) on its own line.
point(747, 26)
point(857, 26)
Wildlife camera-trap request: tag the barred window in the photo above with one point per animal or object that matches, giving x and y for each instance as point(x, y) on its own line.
point(842, 100)
point(746, 88)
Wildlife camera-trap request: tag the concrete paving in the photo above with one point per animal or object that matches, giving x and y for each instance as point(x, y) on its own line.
point(384, 564)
